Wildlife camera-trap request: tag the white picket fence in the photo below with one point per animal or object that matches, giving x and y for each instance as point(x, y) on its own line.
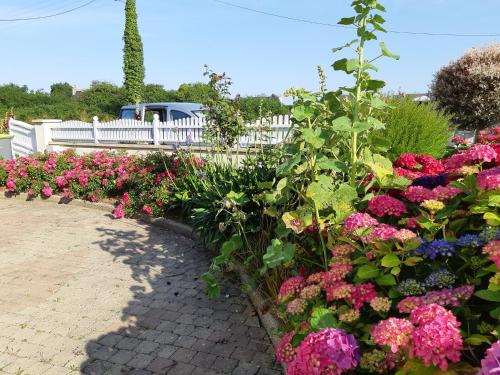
point(185, 131)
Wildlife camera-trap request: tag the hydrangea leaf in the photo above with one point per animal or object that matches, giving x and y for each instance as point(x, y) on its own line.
point(322, 318)
point(386, 280)
point(368, 271)
point(278, 253)
point(488, 295)
point(390, 261)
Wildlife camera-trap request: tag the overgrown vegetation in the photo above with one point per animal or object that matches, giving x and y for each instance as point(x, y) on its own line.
point(418, 128)
point(469, 88)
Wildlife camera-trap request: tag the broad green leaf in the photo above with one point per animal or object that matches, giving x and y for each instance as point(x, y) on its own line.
point(488, 295)
point(321, 191)
point(390, 261)
point(302, 112)
point(345, 65)
point(368, 271)
point(285, 168)
point(325, 163)
point(342, 124)
point(375, 85)
point(476, 339)
point(313, 137)
point(359, 126)
point(293, 221)
point(492, 219)
point(412, 261)
point(213, 289)
point(386, 280)
point(281, 184)
point(297, 339)
point(395, 271)
point(378, 103)
point(322, 317)
point(343, 199)
point(346, 21)
point(495, 314)
point(278, 253)
point(385, 51)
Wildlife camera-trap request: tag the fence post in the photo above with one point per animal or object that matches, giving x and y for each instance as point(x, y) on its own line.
point(94, 129)
point(43, 133)
point(156, 129)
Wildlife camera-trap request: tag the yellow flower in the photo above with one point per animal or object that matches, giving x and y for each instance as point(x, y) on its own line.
point(432, 205)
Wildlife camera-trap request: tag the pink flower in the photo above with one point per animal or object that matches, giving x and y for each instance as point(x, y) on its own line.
point(60, 181)
point(394, 333)
point(490, 365)
point(481, 153)
point(47, 190)
point(338, 270)
point(408, 304)
point(492, 249)
point(296, 307)
point(382, 205)
point(285, 352)
point(10, 184)
point(382, 232)
point(343, 251)
point(489, 179)
point(459, 140)
point(330, 351)
point(104, 181)
point(291, 287)
point(404, 235)
point(118, 213)
point(339, 290)
point(147, 210)
point(361, 294)
point(407, 161)
point(436, 339)
point(357, 221)
point(418, 194)
point(442, 193)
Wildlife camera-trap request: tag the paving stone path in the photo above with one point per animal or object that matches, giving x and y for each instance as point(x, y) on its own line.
point(83, 293)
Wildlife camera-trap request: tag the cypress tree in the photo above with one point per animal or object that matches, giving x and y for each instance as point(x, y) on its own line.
point(133, 58)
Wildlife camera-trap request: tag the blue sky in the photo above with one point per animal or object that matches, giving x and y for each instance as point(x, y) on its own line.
point(262, 54)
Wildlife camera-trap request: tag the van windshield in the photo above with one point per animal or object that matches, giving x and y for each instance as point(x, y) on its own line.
point(128, 114)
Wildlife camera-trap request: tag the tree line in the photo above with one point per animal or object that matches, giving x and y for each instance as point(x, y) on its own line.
point(105, 99)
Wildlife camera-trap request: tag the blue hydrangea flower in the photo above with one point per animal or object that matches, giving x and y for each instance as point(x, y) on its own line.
point(411, 287)
point(440, 279)
point(490, 234)
point(436, 248)
point(430, 182)
point(469, 240)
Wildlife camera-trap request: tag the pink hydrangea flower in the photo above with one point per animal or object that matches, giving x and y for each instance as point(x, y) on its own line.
point(418, 194)
point(404, 235)
point(118, 213)
point(338, 270)
point(492, 249)
point(330, 351)
point(339, 290)
point(148, 210)
point(343, 251)
point(491, 363)
point(296, 307)
point(408, 304)
point(310, 291)
point(382, 205)
point(382, 232)
point(481, 153)
point(436, 339)
point(489, 179)
point(394, 333)
point(443, 193)
point(47, 190)
point(407, 161)
point(361, 294)
point(60, 181)
point(285, 352)
point(357, 221)
point(291, 287)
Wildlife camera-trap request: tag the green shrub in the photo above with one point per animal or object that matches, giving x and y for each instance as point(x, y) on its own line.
point(416, 128)
point(469, 88)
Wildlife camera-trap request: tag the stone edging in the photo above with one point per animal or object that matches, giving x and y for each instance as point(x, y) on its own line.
point(269, 322)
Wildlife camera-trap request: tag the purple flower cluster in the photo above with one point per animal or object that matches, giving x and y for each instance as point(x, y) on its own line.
point(440, 279)
point(469, 240)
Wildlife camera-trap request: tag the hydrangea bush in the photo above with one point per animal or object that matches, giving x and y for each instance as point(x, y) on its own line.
point(413, 275)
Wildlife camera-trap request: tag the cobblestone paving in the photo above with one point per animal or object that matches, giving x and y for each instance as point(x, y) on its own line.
point(82, 293)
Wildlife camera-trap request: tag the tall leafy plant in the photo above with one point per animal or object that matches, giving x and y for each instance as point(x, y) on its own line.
point(332, 150)
point(133, 56)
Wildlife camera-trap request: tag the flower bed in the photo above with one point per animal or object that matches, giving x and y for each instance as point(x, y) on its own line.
point(413, 283)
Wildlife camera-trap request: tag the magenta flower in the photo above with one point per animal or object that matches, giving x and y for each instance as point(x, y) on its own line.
point(489, 179)
point(285, 352)
point(118, 213)
point(490, 365)
point(382, 232)
point(418, 194)
point(492, 249)
point(47, 190)
point(330, 351)
point(291, 287)
point(383, 205)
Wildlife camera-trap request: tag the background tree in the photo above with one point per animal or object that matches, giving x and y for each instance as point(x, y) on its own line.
point(63, 89)
point(469, 88)
point(133, 56)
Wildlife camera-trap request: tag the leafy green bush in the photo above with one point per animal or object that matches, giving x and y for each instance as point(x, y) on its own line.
point(469, 88)
point(415, 127)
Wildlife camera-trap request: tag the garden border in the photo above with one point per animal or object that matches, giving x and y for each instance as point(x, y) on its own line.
point(268, 321)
